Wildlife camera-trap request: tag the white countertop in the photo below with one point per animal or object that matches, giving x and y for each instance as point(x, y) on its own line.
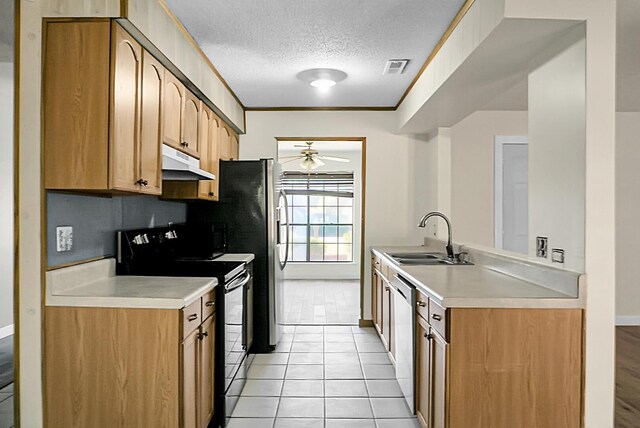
point(476, 286)
point(96, 285)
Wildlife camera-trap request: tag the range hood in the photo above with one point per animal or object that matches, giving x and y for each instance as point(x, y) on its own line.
point(180, 166)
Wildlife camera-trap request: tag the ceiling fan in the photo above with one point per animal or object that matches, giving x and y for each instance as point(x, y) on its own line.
point(311, 159)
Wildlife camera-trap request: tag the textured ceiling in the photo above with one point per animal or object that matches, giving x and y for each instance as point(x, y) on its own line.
point(259, 46)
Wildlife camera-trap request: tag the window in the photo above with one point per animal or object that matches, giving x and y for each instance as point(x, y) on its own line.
point(321, 216)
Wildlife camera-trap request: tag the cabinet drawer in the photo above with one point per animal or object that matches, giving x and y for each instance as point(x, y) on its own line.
point(422, 305)
point(191, 317)
point(208, 304)
point(437, 318)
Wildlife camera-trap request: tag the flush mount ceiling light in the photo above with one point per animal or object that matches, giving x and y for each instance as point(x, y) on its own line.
point(322, 78)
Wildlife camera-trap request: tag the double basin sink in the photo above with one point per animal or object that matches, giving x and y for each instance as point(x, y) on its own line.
point(426, 259)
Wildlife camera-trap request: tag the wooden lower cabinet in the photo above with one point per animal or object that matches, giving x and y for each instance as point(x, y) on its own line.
point(501, 368)
point(117, 367)
point(386, 314)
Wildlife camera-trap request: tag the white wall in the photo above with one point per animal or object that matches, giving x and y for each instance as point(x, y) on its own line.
point(6, 196)
point(557, 152)
point(392, 164)
point(627, 217)
point(472, 172)
point(343, 270)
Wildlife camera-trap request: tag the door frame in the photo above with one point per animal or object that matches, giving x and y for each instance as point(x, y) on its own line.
point(498, 162)
point(363, 187)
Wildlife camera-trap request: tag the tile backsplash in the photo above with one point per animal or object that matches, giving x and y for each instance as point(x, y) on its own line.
point(95, 220)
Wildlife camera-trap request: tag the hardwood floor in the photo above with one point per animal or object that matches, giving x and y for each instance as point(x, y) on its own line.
point(627, 377)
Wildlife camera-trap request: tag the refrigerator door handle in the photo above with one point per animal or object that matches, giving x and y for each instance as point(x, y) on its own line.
point(283, 263)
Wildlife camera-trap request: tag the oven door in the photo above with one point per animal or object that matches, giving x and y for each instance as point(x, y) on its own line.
point(234, 320)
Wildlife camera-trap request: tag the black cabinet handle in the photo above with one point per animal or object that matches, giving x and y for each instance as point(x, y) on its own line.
point(192, 317)
point(210, 303)
point(436, 317)
point(421, 303)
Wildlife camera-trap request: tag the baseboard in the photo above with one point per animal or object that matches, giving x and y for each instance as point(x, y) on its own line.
point(628, 320)
point(365, 323)
point(6, 331)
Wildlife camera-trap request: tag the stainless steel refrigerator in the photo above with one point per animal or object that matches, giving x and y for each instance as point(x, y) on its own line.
point(254, 208)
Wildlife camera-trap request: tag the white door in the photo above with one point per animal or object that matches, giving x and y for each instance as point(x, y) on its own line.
point(512, 196)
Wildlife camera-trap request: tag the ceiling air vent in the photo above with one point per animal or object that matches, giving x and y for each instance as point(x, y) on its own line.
point(395, 66)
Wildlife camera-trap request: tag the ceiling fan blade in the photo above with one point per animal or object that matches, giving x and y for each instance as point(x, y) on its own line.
point(291, 157)
point(332, 158)
point(291, 160)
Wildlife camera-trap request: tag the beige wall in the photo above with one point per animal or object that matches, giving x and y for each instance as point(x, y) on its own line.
point(557, 150)
point(392, 164)
point(472, 171)
point(627, 218)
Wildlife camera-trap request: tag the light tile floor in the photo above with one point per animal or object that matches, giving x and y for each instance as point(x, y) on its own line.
point(322, 302)
point(323, 377)
point(6, 407)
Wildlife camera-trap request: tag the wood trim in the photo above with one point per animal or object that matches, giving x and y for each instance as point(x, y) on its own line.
point(380, 108)
point(365, 323)
point(456, 20)
point(16, 216)
point(76, 263)
point(124, 8)
point(195, 45)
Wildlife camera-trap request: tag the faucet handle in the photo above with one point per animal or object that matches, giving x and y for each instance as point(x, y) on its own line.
point(463, 257)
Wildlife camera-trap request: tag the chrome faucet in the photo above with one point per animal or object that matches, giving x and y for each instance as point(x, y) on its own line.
point(423, 223)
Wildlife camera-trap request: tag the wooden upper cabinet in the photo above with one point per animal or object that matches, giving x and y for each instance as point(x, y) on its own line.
point(76, 105)
point(94, 107)
point(214, 155)
point(235, 147)
point(174, 92)
point(191, 118)
point(225, 143)
point(206, 116)
point(151, 125)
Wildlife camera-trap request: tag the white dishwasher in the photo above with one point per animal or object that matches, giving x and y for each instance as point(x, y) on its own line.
point(404, 337)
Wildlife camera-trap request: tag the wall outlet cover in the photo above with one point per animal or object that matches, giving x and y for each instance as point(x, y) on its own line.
point(557, 255)
point(64, 238)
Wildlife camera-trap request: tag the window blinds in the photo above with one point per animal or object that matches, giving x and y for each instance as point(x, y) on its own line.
point(338, 184)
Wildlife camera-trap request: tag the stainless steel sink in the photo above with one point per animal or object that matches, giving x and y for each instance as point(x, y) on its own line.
point(425, 259)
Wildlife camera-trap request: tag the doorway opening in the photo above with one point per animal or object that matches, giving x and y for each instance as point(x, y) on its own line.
point(511, 193)
point(324, 179)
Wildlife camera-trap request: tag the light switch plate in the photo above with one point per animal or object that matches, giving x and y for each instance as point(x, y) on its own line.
point(541, 246)
point(64, 238)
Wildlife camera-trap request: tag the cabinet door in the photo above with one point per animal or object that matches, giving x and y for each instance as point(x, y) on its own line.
point(423, 372)
point(190, 120)
point(206, 371)
point(386, 314)
point(234, 147)
point(225, 143)
point(214, 157)
point(375, 296)
point(150, 168)
point(125, 111)
point(439, 376)
point(172, 110)
point(379, 301)
point(392, 322)
point(206, 116)
point(190, 374)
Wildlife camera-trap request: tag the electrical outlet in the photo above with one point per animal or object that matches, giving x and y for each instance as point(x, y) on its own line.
point(557, 255)
point(541, 246)
point(64, 238)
